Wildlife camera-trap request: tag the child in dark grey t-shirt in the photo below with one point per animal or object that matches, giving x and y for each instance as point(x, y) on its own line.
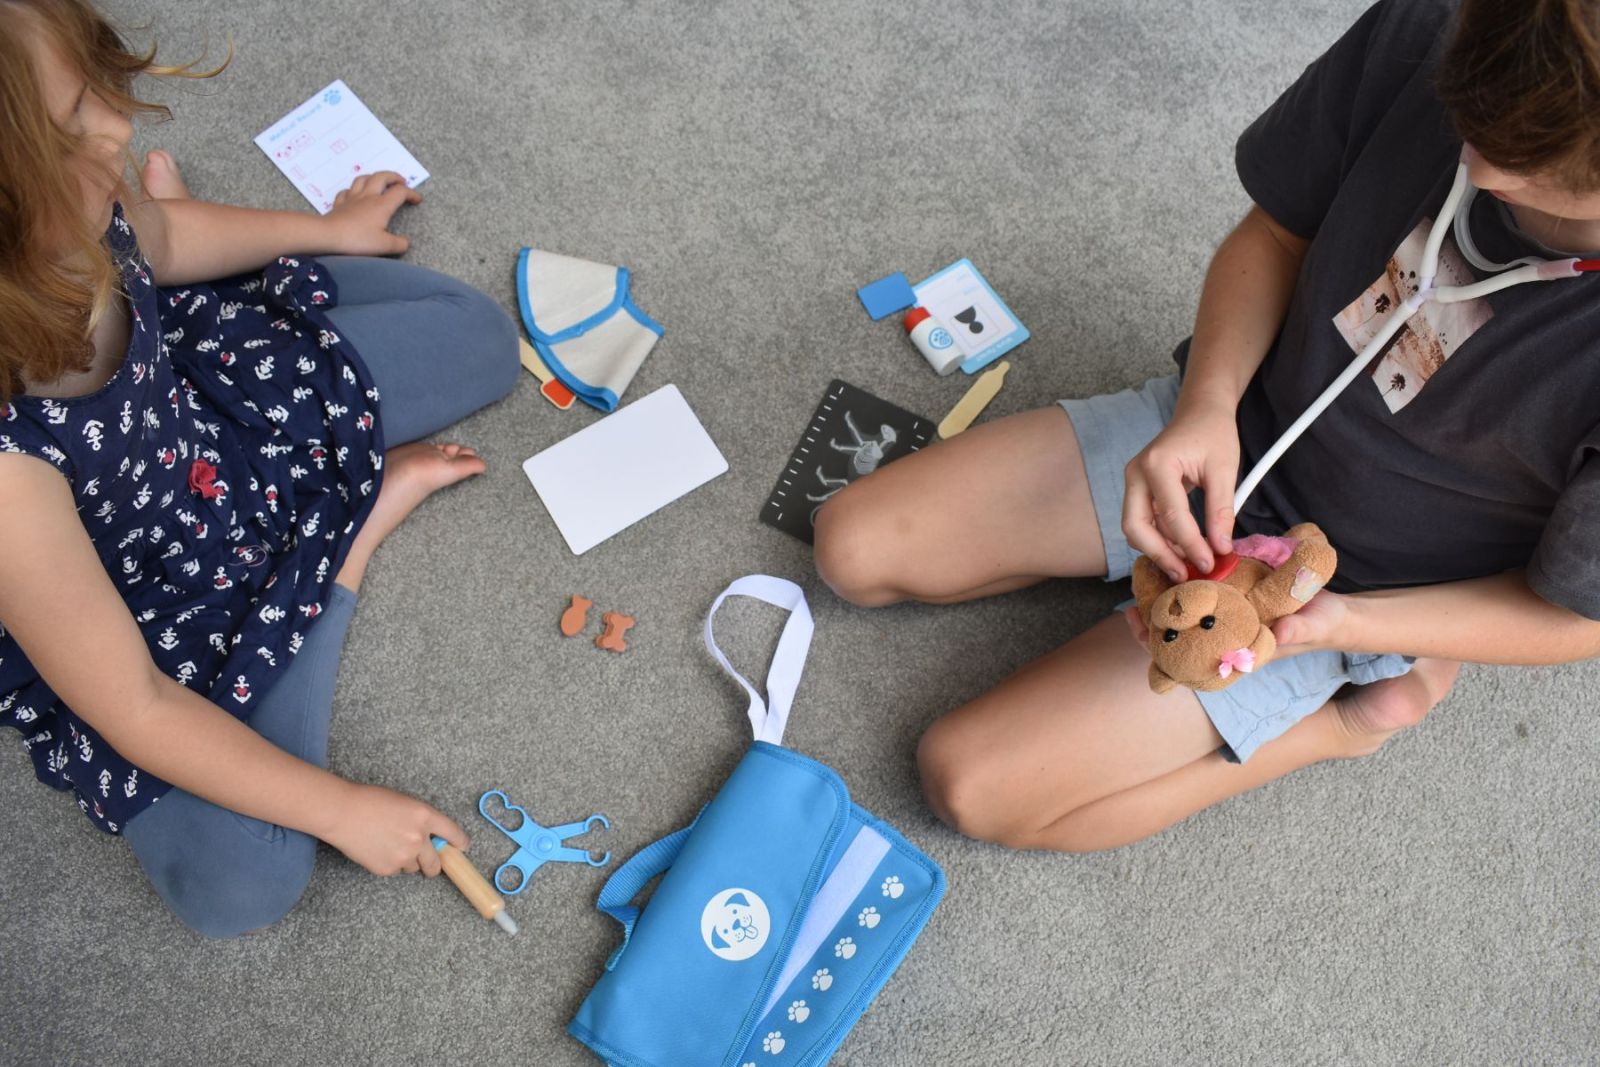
point(1459, 478)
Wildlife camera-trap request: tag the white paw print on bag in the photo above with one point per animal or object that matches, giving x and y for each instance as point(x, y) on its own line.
point(798, 1012)
point(822, 980)
point(845, 948)
point(773, 1042)
point(869, 917)
point(892, 887)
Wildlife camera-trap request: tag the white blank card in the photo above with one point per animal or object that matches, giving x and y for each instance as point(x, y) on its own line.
point(630, 464)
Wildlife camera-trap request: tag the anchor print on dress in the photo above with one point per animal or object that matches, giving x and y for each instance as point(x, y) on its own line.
point(129, 452)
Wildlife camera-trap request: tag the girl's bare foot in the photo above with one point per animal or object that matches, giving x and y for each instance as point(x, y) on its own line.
point(1368, 715)
point(411, 474)
point(162, 180)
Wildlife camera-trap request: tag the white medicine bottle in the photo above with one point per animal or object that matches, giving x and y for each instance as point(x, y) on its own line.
point(932, 340)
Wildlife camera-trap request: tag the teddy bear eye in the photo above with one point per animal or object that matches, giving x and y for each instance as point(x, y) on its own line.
point(1170, 635)
point(1208, 622)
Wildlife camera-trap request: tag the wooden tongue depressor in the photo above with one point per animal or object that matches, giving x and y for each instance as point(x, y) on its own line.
point(474, 886)
point(971, 406)
point(551, 388)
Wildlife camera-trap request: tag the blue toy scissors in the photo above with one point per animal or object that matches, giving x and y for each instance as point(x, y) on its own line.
point(537, 845)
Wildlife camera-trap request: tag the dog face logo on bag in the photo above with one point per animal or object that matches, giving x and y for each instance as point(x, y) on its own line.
point(735, 924)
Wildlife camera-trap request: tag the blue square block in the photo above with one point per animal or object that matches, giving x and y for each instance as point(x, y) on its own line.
point(886, 296)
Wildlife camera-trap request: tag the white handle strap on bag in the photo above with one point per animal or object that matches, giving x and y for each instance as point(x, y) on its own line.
point(768, 718)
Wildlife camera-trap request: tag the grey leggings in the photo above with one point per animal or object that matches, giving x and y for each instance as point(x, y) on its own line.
point(438, 350)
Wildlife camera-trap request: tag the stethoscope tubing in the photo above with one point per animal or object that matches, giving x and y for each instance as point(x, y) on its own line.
point(1453, 214)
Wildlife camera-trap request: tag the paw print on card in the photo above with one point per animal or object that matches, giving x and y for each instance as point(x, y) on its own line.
point(845, 948)
point(822, 981)
point(799, 1012)
point(869, 918)
point(773, 1042)
point(893, 887)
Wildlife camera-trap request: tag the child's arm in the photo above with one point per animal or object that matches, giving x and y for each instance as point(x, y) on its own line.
point(1484, 620)
point(59, 604)
point(1246, 296)
point(194, 241)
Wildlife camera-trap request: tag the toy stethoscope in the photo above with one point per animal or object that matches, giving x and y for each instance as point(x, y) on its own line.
point(1457, 206)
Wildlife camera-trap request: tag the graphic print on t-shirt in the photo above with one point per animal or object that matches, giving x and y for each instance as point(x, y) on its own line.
point(1417, 352)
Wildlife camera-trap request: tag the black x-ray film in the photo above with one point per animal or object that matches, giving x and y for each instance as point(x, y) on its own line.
point(852, 433)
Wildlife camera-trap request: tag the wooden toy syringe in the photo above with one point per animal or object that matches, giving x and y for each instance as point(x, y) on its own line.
point(474, 886)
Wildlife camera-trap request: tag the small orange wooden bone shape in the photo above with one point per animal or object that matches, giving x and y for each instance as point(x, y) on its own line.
point(574, 618)
point(616, 625)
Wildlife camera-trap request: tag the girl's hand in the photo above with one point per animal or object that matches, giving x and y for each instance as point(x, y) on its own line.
point(1319, 626)
point(1199, 447)
point(361, 215)
point(388, 832)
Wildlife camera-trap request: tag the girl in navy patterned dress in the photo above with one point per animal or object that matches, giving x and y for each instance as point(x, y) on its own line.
point(204, 434)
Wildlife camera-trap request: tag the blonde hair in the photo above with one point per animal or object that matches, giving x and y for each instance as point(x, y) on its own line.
point(47, 309)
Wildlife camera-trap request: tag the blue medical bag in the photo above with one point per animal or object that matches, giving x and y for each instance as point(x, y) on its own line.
point(781, 912)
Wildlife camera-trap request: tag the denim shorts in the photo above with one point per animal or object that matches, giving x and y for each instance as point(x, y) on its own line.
point(1260, 706)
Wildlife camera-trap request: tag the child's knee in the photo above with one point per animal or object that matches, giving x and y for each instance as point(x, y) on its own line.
point(963, 790)
point(490, 348)
point(854, 552)
point(248, 892)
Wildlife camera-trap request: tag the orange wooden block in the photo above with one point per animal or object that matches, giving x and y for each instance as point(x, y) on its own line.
point(616, 625)
point(557, 393)
point(551, 388)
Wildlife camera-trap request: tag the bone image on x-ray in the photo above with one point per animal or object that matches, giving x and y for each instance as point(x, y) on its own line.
point(865, 456)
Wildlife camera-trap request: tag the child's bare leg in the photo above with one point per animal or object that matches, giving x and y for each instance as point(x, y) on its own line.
point(1000, 507)
point(1354, 724)
point(1068, 729)
point(1074, 752)
point(411, 474)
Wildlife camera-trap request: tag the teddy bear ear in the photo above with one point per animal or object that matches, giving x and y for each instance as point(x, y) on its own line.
point(1149, 582)
point(1161, 681)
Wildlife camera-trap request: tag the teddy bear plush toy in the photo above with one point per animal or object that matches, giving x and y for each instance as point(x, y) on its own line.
point(1207, 631)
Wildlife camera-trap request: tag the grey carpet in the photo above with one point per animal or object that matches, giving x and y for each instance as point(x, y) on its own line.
point(754, 163)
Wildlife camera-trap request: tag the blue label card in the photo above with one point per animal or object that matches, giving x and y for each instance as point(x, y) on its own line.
point(968, 307)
